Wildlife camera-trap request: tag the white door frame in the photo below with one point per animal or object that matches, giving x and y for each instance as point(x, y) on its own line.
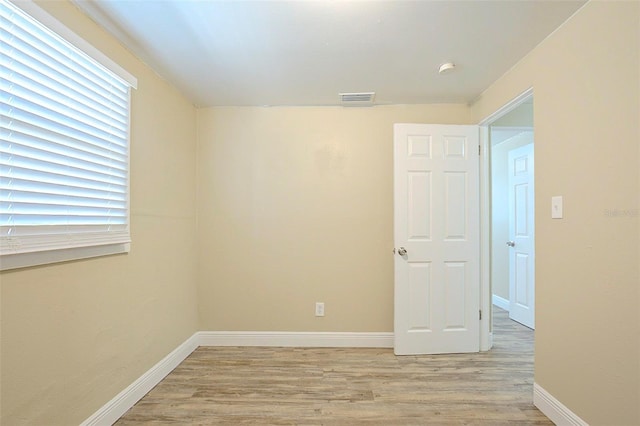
point(486, 334)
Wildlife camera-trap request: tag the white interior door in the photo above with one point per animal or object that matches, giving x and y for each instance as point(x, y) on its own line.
point(436, 231)
point(521, 236)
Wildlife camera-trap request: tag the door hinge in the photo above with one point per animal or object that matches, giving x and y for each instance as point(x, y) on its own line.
point(480, 312)
point(479, 150)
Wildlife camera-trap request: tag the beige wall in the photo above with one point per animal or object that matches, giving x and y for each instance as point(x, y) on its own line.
point(296, 206)
point(75, 334)
point(586, 100)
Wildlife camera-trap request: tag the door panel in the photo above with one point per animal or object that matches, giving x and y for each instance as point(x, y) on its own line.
point(436, 220)
point(455, 284)
point(420, 287)
point(455, 208)
point(418, 203)
point(522, 274)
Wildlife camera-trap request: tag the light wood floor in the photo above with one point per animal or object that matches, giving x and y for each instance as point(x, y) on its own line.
point(304, 386)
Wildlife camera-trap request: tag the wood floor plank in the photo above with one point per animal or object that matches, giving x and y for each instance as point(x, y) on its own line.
point(348, 386)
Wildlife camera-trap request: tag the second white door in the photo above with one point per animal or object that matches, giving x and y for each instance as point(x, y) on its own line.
point(521, 236)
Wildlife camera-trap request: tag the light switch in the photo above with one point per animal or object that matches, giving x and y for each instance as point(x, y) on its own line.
point(556, 207)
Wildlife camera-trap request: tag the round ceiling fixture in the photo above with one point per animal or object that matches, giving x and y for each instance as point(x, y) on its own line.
point(446, 67)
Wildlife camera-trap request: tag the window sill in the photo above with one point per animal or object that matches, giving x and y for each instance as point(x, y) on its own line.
point(25, 260)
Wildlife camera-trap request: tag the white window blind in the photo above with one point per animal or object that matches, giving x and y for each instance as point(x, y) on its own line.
point(64, 148)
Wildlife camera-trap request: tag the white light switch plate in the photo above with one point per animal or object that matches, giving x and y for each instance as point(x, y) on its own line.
point(556, 207)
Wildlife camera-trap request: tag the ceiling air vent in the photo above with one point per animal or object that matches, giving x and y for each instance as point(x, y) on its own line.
point(357, 99)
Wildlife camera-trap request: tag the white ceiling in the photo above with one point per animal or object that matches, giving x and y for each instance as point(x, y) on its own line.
point(306, 52)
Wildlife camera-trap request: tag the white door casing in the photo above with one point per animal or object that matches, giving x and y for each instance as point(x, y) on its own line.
point(521, 236)
point(436, 220)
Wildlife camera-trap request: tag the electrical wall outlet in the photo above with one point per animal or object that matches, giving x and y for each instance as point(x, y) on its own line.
point(319, 309)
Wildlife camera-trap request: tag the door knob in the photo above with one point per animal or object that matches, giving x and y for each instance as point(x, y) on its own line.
point(402, 251)
point(511, 243)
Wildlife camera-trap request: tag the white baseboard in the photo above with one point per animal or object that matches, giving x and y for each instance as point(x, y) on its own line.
point(500, 302)
point(296, 339)
point(121, 403)
point(557, 412)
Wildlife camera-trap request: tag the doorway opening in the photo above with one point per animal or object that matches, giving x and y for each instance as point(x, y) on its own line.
point(508, 225)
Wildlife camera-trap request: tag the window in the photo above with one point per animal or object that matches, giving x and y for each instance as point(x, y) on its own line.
point(64, 144)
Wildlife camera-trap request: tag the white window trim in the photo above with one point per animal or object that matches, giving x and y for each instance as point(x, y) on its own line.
point(23, 260)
